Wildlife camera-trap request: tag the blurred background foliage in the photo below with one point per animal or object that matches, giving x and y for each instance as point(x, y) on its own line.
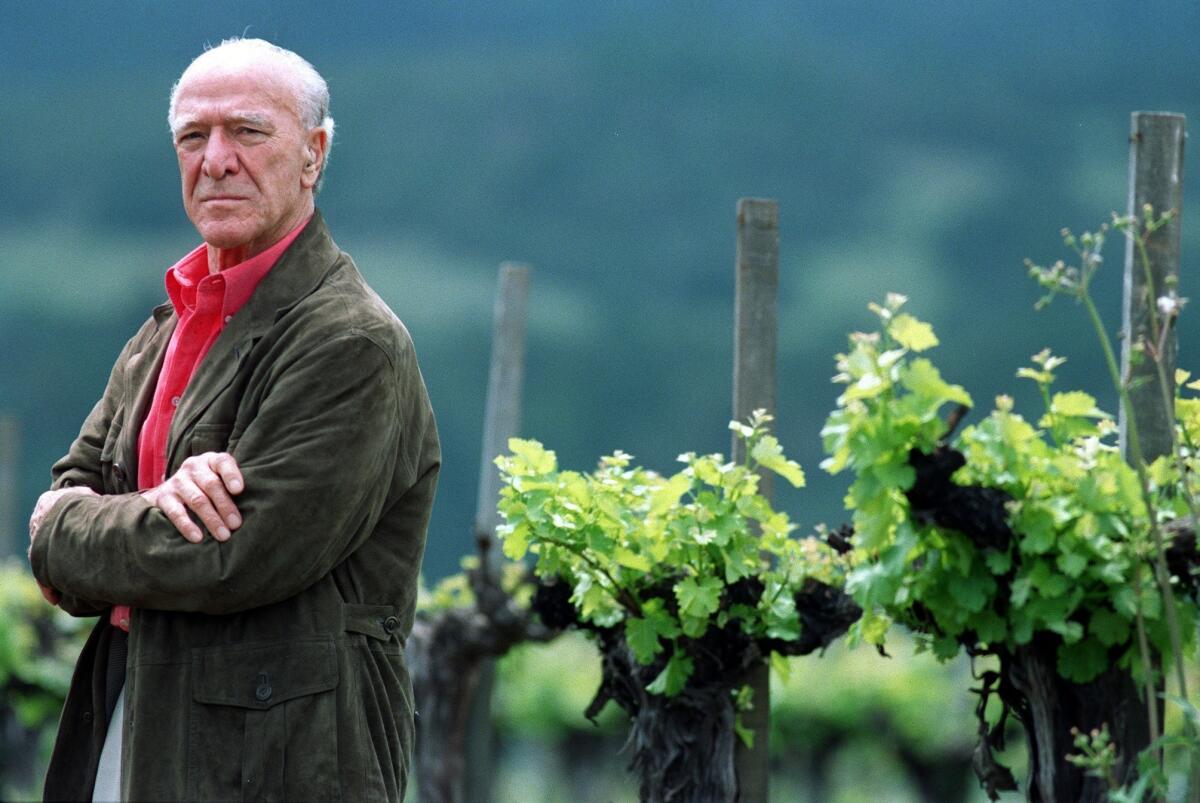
point(38, 646)
point(924, 148)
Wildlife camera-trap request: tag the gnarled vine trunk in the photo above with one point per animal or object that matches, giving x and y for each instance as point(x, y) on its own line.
point(1049, 706)
point(445, 654)
point(683, 745)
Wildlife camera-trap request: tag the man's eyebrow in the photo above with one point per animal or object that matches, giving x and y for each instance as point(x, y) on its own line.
point(253, 118)
point(256, 119)
point(182, 123)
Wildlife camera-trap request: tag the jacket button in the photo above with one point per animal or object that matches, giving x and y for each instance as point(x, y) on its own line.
point(391, 623)
point(119, 472)
point(87, 716)
point(263, 692)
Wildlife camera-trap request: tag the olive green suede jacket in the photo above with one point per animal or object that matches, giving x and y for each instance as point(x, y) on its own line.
point(271, 666)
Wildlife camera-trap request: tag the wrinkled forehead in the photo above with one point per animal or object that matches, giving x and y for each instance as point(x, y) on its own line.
point(226, 85)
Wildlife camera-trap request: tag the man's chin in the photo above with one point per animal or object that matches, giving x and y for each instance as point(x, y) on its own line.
point(226, 235)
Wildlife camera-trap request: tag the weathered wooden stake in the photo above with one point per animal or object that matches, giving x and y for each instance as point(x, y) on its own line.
point(756, 331)
point(1054, 704)
point(1156, 141)
point(502, 414)
point(1155, 178)
point(451, 651)
point(11, 540)
point(502, 420)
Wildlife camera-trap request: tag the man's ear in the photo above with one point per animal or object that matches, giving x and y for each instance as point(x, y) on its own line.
point(315, 147)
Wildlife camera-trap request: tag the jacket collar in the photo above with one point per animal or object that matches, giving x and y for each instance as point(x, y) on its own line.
point(297, 273)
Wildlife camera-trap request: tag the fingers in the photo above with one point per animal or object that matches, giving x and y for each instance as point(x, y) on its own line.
point(168, 501)
point(47, 500)
point(219, 477)
point(227, 468)
point(223, 479)
point(203, 485)
point(35, 519)
point(199, 495)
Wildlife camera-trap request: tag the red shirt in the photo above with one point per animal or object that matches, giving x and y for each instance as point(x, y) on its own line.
point(204, 302)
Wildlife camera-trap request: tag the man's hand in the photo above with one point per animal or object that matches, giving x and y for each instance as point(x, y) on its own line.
point(44, 503)
point(205, 484)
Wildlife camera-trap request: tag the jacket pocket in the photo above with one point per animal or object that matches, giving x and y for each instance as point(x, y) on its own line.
point(263, 723)
point(209, 438)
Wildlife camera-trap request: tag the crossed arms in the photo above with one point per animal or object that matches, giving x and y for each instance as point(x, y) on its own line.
point(205, 485)
point(317, 462)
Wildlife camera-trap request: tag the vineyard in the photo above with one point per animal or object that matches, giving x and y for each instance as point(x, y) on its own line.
point(1054, 548)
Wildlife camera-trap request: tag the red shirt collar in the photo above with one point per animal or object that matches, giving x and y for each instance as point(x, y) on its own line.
point(192, 288)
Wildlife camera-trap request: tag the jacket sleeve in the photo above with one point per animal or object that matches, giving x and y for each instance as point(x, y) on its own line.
point(318, 458)
point(81, 466)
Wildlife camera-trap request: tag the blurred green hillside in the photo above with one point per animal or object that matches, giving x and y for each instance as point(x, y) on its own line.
point(924, 148)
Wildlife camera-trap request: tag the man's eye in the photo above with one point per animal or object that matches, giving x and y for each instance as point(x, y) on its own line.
point(191, 136)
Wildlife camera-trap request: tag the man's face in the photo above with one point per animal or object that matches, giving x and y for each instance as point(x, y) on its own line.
point(247, 163)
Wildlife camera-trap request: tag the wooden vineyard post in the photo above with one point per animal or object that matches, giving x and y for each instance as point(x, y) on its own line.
point(1112, 699)
point(756, 327)
point(1156, 179)
point(452, 651)
point(502, 420)
point(502, 411)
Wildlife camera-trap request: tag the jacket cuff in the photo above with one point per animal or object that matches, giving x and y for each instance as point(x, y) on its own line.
point(39, 552)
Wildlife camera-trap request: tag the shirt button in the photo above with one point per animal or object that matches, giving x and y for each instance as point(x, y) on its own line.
point(174, 401)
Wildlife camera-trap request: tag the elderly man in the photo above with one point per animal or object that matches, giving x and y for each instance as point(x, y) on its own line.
point(246, 505)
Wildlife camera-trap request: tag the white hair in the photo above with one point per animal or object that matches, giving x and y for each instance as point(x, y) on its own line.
point(312, 93)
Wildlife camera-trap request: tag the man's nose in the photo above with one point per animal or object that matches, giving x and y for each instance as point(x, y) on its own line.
point(220, 155)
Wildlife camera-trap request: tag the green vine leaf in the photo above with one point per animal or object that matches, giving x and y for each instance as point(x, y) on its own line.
point(769, 454)
point(923, 379)
point(1108, 627)
point(699, 598)
point(1082, 661)
point(643, 633)
point(671, 680)
point(911, 333)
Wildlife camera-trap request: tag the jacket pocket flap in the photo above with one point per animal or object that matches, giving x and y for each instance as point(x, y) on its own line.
point(209, 438)
point(377, 621)
point(261, 674)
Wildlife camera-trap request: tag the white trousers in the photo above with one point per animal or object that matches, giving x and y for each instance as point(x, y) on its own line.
point(108, 776)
